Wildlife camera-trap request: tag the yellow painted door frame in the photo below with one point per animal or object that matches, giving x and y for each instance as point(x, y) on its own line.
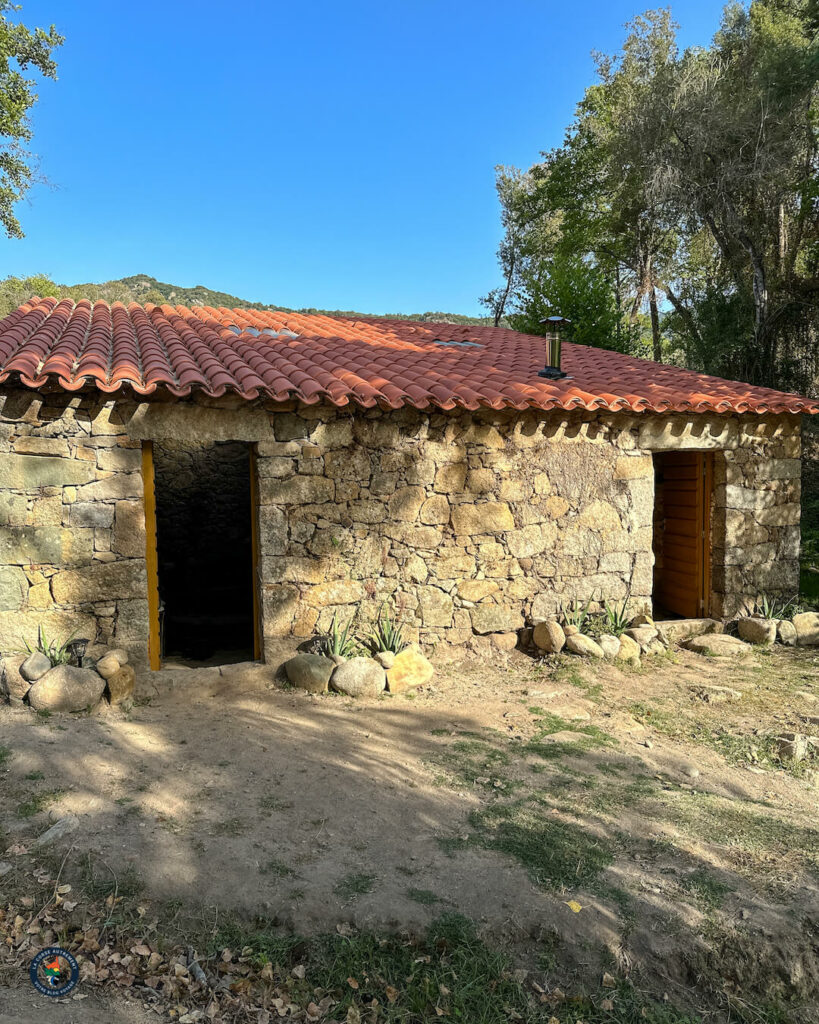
point(151, 559)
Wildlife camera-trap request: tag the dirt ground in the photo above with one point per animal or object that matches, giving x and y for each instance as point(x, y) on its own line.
point(513, 792)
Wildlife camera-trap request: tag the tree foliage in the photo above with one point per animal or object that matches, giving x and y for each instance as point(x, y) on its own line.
point(684, 203)
point(21, 49)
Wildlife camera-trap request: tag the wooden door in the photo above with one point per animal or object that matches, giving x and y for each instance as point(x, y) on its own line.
point(151, 560)
point(683, 580)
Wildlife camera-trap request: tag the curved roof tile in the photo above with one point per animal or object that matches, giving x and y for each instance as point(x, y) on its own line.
point(388, 363)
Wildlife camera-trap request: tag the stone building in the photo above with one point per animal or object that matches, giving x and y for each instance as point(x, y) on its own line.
point(211, 483)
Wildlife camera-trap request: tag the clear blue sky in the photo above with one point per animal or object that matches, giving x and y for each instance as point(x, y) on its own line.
point(328, 154)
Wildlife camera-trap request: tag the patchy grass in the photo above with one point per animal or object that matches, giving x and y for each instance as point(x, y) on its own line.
point(424, 896)
point(230, 827)
point(706, 888)
point(352, 886)
point(38, 802)
point(5, 755)
point(558, 855)
point(277, 868)
point(447, 974)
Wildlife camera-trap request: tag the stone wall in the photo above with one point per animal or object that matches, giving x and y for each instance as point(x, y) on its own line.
point(477, 523)
point(72, 525)
point(473, 523)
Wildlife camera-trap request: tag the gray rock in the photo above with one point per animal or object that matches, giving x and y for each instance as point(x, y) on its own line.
point(718, 645)
point(310, 672)
point(642, 634)
point(64, 827)
point(386, 659)
point(359, 677)
point(786, 633)
point(12, 684)
point(609, 644)
point(66, 688)
point(655, 646)
point(793, 745)
point(35, 666)
point(549, 636)
point(715, 694)
point(584, 646)
point(756, 630)
point(674, 630)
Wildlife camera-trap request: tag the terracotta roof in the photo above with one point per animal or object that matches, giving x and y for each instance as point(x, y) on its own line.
point(389, 363)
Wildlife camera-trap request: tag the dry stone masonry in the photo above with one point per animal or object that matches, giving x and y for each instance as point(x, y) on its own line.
point(474, 524)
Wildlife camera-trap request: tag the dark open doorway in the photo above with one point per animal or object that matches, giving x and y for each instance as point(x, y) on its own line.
point(683, 483)
point(204, 542)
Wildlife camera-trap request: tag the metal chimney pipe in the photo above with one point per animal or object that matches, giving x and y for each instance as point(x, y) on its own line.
point(556, 325)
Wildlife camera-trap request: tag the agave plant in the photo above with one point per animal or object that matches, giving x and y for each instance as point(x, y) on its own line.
point(57, 654)
point(617, 617)
point(575, 614)
point(771, 606)
point(386, 635)
point(340, 639)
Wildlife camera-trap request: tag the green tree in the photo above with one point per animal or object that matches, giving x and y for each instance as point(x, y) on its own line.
point(21, 49)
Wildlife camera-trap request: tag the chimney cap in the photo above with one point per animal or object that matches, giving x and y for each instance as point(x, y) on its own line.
point(556, 321)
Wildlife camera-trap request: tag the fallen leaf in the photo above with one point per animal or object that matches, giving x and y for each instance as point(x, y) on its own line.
point(353, 1016)
point(69, 905)
point(574, 906)
point(609, 981)
point(63, 889)
point(392, 993)
point(141, 950)
point(299, 971)
point(352, 983)
point(606, 1004)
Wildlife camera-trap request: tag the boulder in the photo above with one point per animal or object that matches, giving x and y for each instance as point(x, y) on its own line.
point(629, 649)
point(310, 672)
point(655, 646)
point(107, 666)
point(807, 628)
point(674, 630)
point(584, 646)
point(35, 666)
point(609, 644)
point(64, 827)
point(716, 694)
point(549, 636)
point(359, 677)
point(786, 633)
point(756, 630)
point(12, 684)
point(120, 654)
point(642, 634)
point(718, 645)
point(409, 669)
point(66, 688)
point(386, 659)
point(121, 684)
point(792, 745)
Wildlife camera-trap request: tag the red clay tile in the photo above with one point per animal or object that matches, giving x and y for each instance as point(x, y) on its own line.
point(389, 363)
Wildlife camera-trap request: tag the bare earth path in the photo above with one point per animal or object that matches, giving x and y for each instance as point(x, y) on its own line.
point(223, 792)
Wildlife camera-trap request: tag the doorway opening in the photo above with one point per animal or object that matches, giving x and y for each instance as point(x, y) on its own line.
point(203, 588)
point(683, 486)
